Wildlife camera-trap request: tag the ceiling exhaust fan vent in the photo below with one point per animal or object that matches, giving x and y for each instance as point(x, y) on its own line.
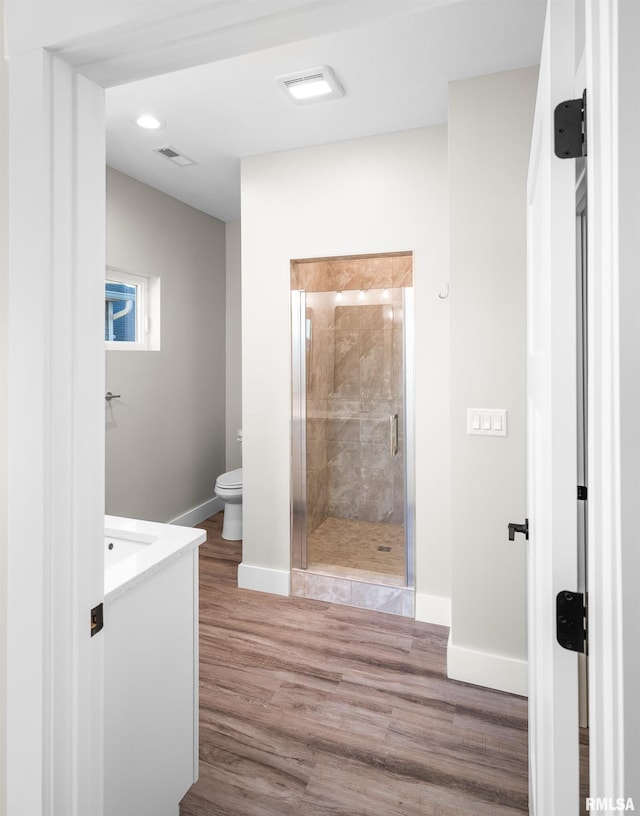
point(173, 155)
point(311, 85)
point(299, 79)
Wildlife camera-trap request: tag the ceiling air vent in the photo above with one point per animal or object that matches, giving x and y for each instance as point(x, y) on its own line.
point(311, 85)
point(172, 154)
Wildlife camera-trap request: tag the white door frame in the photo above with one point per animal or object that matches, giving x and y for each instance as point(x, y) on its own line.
point(627, 658)
point(56, 439)
point(57, 383)
point(613, 180)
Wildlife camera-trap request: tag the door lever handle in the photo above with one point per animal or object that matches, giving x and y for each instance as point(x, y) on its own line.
point(393, 434)
point(518, 528)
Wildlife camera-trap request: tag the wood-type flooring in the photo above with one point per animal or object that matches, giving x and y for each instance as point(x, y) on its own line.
point(313, 709)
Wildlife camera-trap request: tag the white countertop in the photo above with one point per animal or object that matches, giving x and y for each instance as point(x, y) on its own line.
point(163, 543)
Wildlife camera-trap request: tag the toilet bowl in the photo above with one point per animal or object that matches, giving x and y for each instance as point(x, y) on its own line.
point(229, 489)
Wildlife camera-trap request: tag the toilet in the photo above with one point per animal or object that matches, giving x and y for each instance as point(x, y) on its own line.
point(229, 489)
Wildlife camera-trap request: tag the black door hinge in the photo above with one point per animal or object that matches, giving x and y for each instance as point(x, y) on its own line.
point(571, 621)
point(97, 619)
point(582, 493)
point(570, 128)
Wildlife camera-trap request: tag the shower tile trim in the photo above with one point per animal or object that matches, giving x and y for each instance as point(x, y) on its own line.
point(361, 594)
point(345, 272)
point(401, 254)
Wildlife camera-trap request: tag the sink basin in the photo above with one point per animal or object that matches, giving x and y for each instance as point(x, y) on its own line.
point(119, 546)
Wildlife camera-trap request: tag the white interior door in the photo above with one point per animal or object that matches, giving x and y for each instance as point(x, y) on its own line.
point(552, 433)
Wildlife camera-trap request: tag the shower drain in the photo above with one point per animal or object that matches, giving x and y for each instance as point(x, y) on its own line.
point(384, 549)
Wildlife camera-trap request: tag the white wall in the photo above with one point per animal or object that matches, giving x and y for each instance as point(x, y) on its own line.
point(4, 318)
point(166, 435)
point(490, 121)
point(233, 345)
point(379, 194)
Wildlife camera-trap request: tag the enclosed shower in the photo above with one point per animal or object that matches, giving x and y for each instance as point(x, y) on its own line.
point(352, 430)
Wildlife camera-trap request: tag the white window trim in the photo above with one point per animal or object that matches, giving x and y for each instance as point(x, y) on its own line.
point(147, 310)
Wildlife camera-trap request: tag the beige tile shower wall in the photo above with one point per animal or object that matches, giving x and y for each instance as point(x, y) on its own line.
point(379, 271)
point(317, 473)
point(320, 365)
point(365, 482)
point(354, 383)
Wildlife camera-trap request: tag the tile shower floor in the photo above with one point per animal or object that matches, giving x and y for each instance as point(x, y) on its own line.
point(358, 549)
point(357, 563)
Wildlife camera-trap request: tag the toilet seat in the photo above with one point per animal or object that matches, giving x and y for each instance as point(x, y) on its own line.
point(232, 480)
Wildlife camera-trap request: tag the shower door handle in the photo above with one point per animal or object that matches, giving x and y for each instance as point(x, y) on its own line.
point(393, 434)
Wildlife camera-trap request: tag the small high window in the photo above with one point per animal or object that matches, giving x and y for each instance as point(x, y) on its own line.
point(120, 312)
point(131, 311)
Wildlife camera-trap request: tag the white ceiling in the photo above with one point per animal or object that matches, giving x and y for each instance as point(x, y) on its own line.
point(395, 69)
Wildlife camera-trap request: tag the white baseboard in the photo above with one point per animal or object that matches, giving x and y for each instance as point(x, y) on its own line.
point(433, 609)
point(486, 669)
point(199, 513)
point(264, 579)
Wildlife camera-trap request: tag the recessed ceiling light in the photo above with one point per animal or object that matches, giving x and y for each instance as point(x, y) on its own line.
point(311, 85)
point(149, 122)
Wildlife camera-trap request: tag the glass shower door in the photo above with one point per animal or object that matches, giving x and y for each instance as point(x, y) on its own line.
point(350, 498)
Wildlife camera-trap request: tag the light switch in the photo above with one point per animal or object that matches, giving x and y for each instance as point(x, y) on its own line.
point(487, 421)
